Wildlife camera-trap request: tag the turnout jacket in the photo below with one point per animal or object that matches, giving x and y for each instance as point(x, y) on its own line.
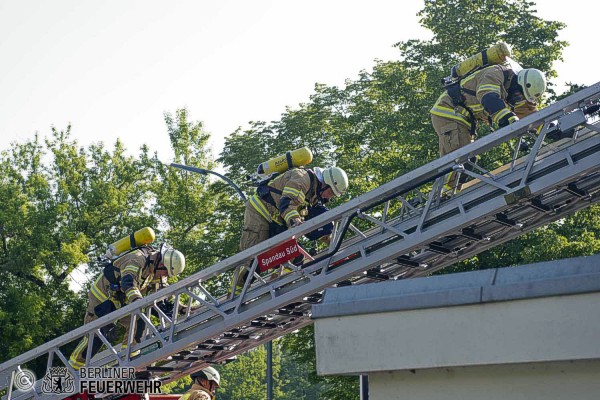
point(197, 392)
point(287, 194)
point(492, 93)
point(136, 279)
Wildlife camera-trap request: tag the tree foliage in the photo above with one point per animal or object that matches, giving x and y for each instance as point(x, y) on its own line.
point(60, 205)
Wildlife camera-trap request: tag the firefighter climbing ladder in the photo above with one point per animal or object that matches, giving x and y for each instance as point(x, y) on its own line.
point(405, 228)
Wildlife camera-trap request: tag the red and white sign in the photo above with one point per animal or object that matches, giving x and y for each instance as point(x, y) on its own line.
point(279, 254)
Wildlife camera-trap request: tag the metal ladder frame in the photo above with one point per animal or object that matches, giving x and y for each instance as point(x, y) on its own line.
point(382, 234)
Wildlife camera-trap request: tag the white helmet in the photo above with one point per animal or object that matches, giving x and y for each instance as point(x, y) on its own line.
point(533, 83)
point(173, 260)
point(336, 179)
point(208, 373)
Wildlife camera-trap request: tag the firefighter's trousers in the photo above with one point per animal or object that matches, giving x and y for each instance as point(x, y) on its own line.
point(77, 359)
point(452, 135)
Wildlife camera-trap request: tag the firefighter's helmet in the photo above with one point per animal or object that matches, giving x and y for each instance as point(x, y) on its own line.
point(208, 373)
point(172, 259)
point(336, 179)
point(533, 83)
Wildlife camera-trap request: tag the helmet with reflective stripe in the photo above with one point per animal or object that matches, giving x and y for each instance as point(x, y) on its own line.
point(208, 373)
point(533, 83)
point(336, 179)
point(173, 260)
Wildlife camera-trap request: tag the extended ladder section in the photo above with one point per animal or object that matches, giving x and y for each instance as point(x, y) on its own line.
point(408, 227)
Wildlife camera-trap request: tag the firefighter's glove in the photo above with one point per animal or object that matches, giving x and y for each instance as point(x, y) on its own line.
point(295, 222)
point(166, 306)
point(507, 120)
point(524, 108)
point(111, 333)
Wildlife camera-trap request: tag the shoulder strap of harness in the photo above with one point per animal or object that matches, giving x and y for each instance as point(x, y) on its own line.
point(312, 177)
point(112, 273)
point(455, 91)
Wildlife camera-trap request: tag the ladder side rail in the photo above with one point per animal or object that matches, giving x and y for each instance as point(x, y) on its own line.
point(464, 255)
point(561, 196)
point(509, 235)
point(335, 275)
point(246, 346)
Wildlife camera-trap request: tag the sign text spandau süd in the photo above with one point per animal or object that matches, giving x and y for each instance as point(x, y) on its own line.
point(278, 255)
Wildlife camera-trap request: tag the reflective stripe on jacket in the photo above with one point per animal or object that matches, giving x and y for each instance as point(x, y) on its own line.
point(297, 187)
point(493, 79)
point(135, 279)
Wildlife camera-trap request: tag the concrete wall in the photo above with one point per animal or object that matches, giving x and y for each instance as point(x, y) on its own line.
point(543, 381)
point(545, 329)
point(530, 332)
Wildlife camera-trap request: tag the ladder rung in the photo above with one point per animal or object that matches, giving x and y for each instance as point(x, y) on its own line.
point(314, 298)
point(377, 275)
point(538, 205)
point(188, 358)
point(574, 190)
point(469, 233)
point(285, 311)
point(407, 262)
point(212, 347)
point(238, 336)
point(439, 248)
point(160, 369)
point(268, 325)
point(503, 219)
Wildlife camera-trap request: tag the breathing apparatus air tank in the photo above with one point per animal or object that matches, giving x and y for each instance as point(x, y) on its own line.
point(289, 160)
point(138, 238)
point(494, 55)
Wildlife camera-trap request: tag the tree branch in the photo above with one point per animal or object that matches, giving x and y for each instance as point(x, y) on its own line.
point(190, 227)
point(33, 279)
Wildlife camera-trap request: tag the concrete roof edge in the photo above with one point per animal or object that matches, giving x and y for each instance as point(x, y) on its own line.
point(552, 278)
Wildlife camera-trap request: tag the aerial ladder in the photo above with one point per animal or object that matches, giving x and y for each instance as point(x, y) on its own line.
point(408, 227)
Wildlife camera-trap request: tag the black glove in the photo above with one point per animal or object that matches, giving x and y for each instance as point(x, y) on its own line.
point(166, 306)
point(111, 333)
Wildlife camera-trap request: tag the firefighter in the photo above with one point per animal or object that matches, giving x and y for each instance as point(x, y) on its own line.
point(126, 280)
point(278, 204)
point(204, 385)
point(494, 94)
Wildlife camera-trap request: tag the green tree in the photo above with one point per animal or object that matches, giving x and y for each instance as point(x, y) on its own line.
point(61, 206)
point(245, 378)
point(200, 218)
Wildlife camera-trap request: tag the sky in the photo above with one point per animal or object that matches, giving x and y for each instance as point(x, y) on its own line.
point(112, 68)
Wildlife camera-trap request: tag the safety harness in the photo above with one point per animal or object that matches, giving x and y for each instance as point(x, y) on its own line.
point(112, 273)
point(264, 190)
point(457, 93)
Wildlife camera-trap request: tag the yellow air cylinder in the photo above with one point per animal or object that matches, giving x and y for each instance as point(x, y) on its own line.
point(494, 55)
point(141, 237)
point(290, 159)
